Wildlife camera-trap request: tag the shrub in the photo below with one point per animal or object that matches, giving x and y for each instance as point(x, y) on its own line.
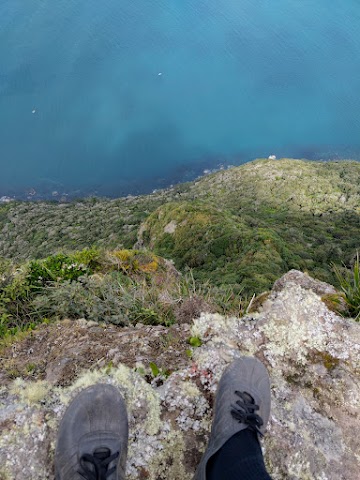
point(62, 267)
point(111, 298)
point(5, 268)
point(14, 300)
point(90, 257)
point(133, 261)
point(349, 281)
point(128, 286)
point(145, 315)
point(86, 298)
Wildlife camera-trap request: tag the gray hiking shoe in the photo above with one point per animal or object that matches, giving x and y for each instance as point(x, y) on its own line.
point(242, 401)
point(93, 436)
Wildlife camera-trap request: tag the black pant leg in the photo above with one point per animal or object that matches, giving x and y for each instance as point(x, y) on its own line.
point(240, 458)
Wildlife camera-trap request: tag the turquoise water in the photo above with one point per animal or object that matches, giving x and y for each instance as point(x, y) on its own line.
point(239, 79)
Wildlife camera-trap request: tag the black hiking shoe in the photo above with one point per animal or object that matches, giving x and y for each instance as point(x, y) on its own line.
point(93, 436)
point(242, 401)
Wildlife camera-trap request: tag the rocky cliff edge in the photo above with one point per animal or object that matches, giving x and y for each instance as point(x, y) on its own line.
point(312, 355)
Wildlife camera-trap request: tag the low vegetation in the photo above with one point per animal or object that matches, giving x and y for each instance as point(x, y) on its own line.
point(349, 280)
point(230, 234)
point(123, 287)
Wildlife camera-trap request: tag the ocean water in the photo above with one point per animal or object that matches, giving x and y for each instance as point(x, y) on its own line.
point(124, 96)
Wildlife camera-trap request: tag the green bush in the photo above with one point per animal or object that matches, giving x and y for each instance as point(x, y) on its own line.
point(62, 267)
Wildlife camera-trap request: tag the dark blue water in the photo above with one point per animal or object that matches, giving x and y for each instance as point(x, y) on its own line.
point(239, 79)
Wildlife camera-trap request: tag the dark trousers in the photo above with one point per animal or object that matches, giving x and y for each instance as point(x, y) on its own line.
point(240, 458)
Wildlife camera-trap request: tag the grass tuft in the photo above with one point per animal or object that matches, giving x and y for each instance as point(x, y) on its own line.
point(349, 281)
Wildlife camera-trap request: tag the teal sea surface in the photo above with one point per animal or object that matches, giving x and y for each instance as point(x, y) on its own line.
point(125, 96)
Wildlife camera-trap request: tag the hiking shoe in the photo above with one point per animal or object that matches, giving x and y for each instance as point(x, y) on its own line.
point(93, 436)
point(242, 401)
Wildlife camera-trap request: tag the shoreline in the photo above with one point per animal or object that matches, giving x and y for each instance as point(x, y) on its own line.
point(36, 194)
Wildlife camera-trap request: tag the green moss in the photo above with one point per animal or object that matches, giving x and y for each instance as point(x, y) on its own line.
point(326, 359)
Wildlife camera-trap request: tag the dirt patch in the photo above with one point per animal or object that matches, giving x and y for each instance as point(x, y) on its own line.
point(192, 308)
point(59, 351)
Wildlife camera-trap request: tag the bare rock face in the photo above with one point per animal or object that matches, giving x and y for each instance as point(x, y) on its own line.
point(313, 358)
point(305, 281)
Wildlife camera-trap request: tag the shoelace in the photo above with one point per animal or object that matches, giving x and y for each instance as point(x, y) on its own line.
point(244, 412)
point(99, 464)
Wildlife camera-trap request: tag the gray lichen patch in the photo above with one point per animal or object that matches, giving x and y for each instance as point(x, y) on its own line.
point(28, 433)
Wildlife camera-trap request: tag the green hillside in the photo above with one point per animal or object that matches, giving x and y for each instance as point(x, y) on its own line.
point(236, 230)
point(267, 217)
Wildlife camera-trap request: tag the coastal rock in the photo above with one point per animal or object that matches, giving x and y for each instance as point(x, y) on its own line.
point(312, 355)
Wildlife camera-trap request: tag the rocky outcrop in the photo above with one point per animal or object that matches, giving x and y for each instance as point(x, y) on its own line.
point(312, 355)
point(294, 277)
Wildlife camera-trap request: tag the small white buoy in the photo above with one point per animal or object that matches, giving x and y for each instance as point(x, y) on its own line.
point(33, 111)
point(159, 74)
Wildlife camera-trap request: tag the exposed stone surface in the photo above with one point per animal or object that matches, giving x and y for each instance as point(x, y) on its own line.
point(170, 227)
point(313, 357)
point(305, 281)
